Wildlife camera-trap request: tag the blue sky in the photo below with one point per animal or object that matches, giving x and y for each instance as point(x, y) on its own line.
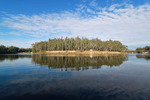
point(23, 22)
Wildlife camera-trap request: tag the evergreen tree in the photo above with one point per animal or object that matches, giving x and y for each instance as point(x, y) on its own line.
point(77, 43)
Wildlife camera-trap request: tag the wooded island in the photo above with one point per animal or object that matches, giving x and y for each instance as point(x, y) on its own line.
point(74, 46)
point(78, 44)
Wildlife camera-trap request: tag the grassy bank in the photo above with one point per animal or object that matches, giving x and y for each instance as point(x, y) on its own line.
point(79, 52)
point(24, 53)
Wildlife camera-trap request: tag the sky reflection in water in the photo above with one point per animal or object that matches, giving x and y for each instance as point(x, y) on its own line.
point(36, 77)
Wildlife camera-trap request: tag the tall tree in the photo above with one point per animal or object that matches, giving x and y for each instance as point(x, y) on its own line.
point(77, 43)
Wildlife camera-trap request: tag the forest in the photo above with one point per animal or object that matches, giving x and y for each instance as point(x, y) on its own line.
point(145, 49)
point(81, 44)
point(13, 49)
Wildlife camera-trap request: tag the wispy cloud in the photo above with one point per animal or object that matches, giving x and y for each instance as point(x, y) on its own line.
point(93, 3)
point(124, 22)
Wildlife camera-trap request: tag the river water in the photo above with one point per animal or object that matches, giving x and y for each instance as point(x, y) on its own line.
point(46, 77)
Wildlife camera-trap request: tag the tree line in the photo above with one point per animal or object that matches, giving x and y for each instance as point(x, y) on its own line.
point(13, 49)
point(82, 44)
point(145, 49)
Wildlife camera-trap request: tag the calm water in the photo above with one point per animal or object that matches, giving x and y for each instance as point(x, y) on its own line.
point(44, 77)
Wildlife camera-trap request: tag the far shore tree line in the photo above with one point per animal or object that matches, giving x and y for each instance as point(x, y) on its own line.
point(146, 49)
point(13, 49)
point(78, 44)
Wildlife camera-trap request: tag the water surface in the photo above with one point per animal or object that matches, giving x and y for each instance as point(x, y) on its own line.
point(45, 77)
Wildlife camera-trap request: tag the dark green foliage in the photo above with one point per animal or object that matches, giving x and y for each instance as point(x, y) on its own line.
point(77, 43)
point(139, 50)
point(12, 49)
point(3, 49)
point(25, 50)
point(145, 49)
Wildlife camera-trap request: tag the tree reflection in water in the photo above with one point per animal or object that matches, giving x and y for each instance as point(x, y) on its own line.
point(147, 57)
point(20, 79)
point(78, 62)
point(12, 57)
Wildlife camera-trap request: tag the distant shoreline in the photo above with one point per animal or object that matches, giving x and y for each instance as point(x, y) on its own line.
point(79, 52)
point(73, 52)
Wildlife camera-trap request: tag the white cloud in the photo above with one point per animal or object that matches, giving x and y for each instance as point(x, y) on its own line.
point(129, 24)
point(93, 3)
